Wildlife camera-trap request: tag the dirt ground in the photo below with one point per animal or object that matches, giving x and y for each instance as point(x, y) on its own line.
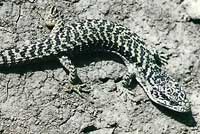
point(32, 96)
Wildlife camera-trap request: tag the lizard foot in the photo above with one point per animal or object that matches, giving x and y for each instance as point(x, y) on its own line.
point(161, 57)
point(124, 92)
point(79, 89)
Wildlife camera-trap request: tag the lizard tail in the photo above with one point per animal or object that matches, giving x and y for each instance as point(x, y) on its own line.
point(16, 55)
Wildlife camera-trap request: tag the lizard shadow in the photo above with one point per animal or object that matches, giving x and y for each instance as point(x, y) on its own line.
point(52, 62)
point(184, 118)
point(31, 66)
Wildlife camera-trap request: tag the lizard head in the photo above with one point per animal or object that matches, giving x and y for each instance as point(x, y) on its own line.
point(164, 90)
point(172, 96)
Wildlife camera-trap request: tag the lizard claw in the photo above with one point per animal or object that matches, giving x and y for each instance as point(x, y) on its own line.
point(77, 89)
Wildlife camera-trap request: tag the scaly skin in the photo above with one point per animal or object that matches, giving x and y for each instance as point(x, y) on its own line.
point(102, 35)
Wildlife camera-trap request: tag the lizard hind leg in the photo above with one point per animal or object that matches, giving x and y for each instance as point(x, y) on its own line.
point(161, 58)
point(125, 84)
point(53, 17)
point(75, 84)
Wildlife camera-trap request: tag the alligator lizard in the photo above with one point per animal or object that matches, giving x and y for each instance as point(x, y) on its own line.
point(96, 35)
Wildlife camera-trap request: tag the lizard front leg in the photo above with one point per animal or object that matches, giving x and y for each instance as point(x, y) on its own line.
point(75, 83)
point(124, 85)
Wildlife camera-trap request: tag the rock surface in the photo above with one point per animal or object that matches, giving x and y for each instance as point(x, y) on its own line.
point(33, 99)
point(192, 9)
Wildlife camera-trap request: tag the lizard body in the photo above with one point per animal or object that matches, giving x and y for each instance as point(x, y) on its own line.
point(94, 35)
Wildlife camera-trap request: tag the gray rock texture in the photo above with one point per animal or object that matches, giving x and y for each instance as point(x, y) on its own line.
point(33, 98)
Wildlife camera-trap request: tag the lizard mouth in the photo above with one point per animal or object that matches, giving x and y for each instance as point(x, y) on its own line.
point(183, 106)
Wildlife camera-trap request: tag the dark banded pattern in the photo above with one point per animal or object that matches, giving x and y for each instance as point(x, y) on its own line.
point(103, 35)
